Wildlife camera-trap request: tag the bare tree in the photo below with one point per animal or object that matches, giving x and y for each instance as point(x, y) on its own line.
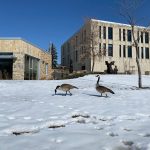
point(90, 45)
point(129, 10)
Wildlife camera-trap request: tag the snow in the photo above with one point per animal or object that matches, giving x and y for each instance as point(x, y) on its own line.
point(119, 24)
point(32, 117)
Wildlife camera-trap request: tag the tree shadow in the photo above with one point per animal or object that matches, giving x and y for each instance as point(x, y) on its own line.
point(142, 88)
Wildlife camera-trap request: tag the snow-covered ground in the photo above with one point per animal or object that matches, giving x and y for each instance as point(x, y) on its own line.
point(33, 118)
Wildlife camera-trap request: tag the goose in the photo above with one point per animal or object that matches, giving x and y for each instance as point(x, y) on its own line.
point(102, 89)
point(66, 88)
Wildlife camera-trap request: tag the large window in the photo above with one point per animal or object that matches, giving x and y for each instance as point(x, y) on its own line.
point(124, 34)
point(120, 50)
point(110, 50)
point(142, 52)
point(138, 35)
point(120, 34)
point(141, 37)
point(130, 51)
point(100, 46)
point(138, 53)
point(100, 32)
point(147, 53)
point(124, 51)
point(46, 69)
point(6, 66)
point(31, 68)
point(110, 33)
point(104, 32)
point(146, 37)
point(129, 36)
point(104, 48)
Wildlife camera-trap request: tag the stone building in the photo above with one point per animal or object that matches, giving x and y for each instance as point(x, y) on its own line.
point(21, 60)
point(113, 38)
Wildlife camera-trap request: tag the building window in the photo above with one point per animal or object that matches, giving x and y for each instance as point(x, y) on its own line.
point(130, 51)
point(138, 53)
point(146, 37)
point(142, 52)
point(147, 53)
point(31, 68)
point(100, 32)
point(124, 51)
point(138, 36)
point(120, 34)
point(124, 34)
point(129, 36)
point(104, 46)
point(46, 69)
point(120, 50)
point(104, 32)
point(141, 37)
point(100, 46)
point(110, 33)
point(110, 50)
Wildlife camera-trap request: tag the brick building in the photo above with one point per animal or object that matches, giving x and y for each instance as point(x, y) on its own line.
point(21, 60)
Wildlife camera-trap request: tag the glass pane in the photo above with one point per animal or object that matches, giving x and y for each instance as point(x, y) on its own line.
point(26, 72)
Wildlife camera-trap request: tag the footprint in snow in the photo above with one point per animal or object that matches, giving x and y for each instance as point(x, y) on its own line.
point(127, 143)
point(112, 134)
point(145, 134)
point(127, 129)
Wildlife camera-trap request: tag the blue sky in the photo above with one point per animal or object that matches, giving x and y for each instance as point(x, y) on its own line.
point(44, 21)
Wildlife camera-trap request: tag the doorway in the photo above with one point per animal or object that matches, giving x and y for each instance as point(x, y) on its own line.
point(6, 67)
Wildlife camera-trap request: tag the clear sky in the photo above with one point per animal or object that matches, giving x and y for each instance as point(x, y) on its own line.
point(44, 21)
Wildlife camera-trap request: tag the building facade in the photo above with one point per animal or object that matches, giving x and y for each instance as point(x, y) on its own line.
point(115, 39)
point(21, 60)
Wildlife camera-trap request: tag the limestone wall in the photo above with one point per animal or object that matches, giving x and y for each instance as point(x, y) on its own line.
point(20, 48)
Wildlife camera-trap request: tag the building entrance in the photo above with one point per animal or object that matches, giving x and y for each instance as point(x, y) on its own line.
point(6, 66)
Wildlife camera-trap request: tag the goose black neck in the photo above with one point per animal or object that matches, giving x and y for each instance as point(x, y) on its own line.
point(98, 79)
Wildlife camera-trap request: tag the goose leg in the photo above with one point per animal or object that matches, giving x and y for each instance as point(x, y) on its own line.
point(101, 95)
point(66, 93)
point(70, 93)
point(106, 95)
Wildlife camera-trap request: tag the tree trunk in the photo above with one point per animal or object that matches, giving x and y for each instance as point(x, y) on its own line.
point(137, 59)
point(93, 64)
point(139, 69)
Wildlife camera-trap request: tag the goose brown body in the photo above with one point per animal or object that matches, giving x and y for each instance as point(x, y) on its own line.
point(65, 87)
point(102, 89)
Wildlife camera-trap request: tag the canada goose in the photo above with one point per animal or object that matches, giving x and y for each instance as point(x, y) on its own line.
point(102, 89)
point(65, 87)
